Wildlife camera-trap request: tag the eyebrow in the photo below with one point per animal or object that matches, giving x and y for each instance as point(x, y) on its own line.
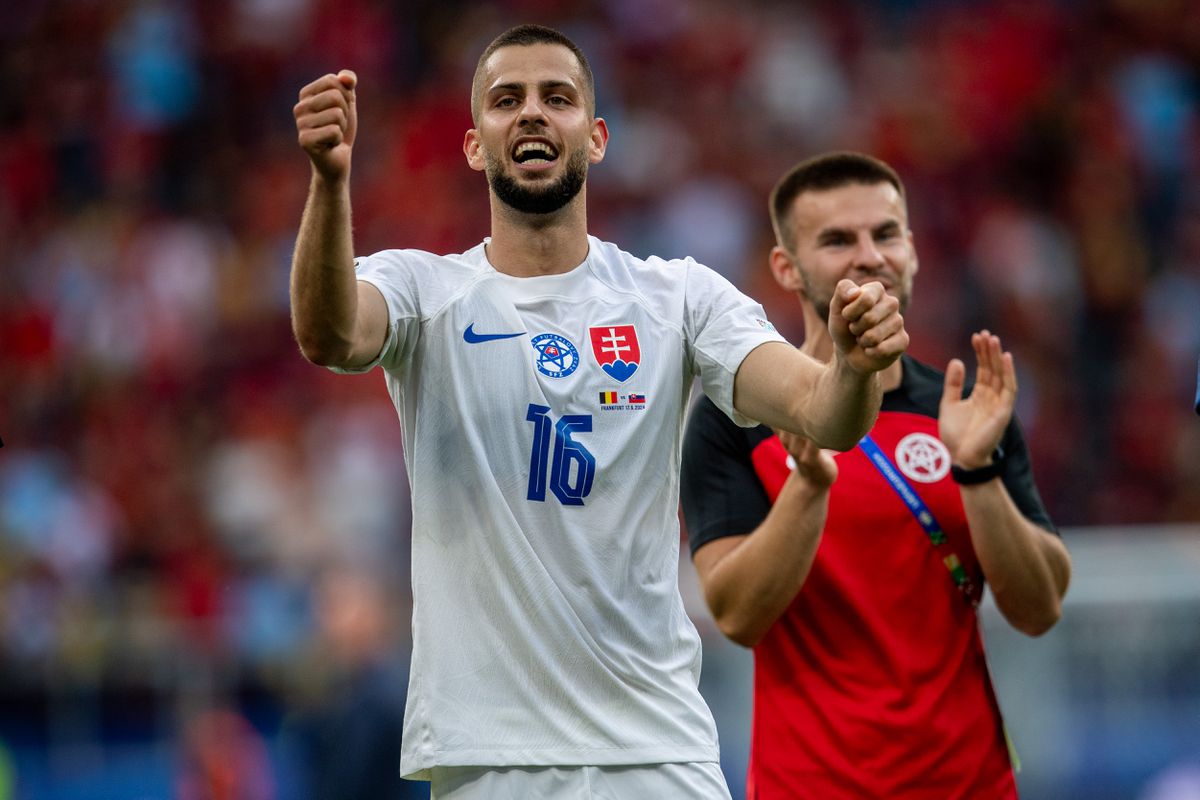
point(545, 86)
point(886, 225)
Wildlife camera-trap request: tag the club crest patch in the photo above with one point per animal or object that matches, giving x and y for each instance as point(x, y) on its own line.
point(923, 457)
point(617, 350)
point(556, 356)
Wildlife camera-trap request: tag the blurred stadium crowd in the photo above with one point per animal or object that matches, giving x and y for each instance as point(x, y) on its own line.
point(194, 518)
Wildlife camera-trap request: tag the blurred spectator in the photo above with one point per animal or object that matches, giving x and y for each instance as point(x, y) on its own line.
point(348, 732)
point(224, 758)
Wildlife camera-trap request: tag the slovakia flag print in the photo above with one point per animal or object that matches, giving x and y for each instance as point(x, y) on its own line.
point(616, 348)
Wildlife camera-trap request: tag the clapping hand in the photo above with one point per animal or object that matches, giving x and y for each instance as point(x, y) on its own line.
point(971, 428)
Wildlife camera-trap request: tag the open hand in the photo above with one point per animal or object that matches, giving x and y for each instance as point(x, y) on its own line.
point(971, 428)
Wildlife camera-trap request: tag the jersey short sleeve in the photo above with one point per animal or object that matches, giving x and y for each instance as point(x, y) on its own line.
point(722, 326)
point(1018, 478)
point(720, 492)
point(394, 273)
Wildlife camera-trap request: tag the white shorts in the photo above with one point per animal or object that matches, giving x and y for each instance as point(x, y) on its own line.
point(698, 780)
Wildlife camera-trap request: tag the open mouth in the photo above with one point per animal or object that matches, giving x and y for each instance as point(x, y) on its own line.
point(535, 153)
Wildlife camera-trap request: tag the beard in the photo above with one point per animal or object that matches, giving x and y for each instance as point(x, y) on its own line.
point(541, 199)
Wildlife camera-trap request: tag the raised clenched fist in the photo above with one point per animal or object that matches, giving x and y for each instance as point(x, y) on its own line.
point(326, 121)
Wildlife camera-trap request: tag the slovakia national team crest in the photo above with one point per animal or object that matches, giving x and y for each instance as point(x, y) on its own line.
point(616, 348)
point(923, 457)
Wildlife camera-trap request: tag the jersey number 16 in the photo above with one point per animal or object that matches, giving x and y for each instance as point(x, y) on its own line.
point(569, 485)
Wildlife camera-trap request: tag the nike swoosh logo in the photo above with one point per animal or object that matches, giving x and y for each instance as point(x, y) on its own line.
point(471, 337)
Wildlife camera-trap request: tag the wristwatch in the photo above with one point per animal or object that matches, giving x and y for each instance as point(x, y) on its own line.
point(970, 477)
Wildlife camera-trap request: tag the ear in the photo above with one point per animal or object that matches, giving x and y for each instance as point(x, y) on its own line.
point(599, 141)
point(786, 273)
point(473, 150)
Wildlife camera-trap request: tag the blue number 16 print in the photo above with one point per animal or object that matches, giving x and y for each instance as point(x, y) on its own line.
point(567, 453)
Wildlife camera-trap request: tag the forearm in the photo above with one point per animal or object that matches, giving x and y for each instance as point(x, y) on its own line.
point(750, 585)
point(831, 404)
point(1027, 568)
point(843, 405)
point(324, 293)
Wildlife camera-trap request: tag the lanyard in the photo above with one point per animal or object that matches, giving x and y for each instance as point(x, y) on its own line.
point(937, 537)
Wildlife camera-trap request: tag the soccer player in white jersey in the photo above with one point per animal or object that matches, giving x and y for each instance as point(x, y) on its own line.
point(541, 380)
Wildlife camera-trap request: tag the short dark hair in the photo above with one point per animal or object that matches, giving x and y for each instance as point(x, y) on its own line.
point(524, 36)
point(826, 171)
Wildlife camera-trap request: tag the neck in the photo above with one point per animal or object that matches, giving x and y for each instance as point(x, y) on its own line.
point(525, 245)
point(819, 344)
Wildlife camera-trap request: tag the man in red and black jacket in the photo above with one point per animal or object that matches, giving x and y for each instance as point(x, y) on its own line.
point(855, 576)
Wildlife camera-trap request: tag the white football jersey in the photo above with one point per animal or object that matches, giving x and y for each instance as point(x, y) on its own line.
point(542, 422)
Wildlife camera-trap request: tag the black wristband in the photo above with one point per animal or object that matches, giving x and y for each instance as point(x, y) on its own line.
point(970, 477)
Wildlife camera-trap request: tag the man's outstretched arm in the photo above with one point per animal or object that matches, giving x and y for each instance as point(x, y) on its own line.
point(337, 320)
point(832, 404)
